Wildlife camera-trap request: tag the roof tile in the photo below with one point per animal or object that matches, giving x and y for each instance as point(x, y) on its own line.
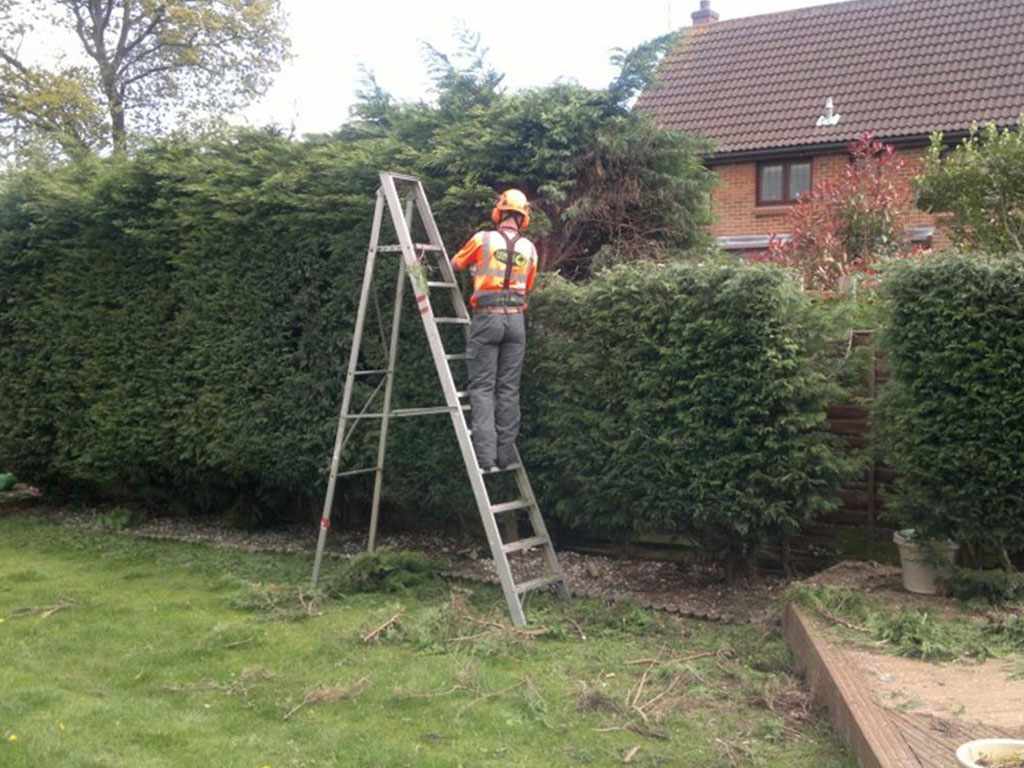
point(893, 67)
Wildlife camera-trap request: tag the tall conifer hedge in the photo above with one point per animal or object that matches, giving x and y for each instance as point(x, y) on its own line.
point(953, 416)
point(683, 399)
point(176, 326)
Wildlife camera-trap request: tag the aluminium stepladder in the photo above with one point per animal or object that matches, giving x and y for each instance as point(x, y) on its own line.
point(413, 257)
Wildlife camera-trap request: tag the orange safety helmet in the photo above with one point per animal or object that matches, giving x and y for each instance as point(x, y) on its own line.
point(512, 200)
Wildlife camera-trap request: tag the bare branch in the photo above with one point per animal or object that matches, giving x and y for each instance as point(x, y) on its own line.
point(155, 22)
point(13, 62)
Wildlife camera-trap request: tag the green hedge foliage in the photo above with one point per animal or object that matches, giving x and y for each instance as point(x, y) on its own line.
point(681, 399)
point(952, 419)
point(176, 327)
point(170, 325)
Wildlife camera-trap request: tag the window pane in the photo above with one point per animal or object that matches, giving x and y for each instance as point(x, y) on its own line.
point(771, 182)
point(799, 179)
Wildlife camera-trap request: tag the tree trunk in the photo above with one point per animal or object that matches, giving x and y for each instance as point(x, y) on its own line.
point(118, 134)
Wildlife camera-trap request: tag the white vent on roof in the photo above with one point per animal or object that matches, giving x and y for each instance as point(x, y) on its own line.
point(831, 117)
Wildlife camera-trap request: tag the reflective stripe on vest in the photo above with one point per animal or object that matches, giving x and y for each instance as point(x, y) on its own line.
point(498, 284)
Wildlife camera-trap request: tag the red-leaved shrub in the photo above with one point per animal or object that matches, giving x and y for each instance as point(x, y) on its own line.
point(848, 224)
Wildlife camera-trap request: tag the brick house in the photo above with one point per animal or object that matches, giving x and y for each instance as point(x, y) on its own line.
point(781, 95)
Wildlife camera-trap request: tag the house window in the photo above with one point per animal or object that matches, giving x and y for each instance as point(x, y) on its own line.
point(782, 182)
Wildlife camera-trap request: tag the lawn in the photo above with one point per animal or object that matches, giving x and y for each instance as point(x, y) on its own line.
point(115, 651)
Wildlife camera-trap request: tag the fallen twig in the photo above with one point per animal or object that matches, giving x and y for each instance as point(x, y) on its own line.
point(628, 757)
point(650, 702)
point(330, 694)
point(639, 689)
point(683, 659)
point(43, 611)
point(374, 635)
point(310, 606)
point(510, 630)
point(579, 629)
point(841, 621)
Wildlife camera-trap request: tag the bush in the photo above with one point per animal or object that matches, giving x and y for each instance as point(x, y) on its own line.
point(952, 419)
point(847, 226)
point(680, 399)
point(980, 185)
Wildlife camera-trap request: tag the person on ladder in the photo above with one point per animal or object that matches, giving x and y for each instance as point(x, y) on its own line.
point(503, 264)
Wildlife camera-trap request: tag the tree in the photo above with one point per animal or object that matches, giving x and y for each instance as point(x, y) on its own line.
point(980, 184)
point(847, 225)
point(606, 184)
point(149, 62)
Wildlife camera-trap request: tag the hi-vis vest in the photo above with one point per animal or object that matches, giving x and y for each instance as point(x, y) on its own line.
point(504, 264)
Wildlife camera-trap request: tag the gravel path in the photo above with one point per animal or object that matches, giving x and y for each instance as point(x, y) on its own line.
point(682, 589)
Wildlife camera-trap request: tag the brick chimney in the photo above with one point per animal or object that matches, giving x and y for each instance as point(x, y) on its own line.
point(705, 15)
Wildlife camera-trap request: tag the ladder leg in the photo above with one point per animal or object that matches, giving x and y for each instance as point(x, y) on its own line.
point(350, 377)
point(382, 445)
point(539, 527)
point(392, 353)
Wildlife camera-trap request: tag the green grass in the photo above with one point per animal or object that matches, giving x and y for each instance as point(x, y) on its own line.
point(116, 651)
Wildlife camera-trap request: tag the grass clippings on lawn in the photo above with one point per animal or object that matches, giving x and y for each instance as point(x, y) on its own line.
point(121, 652)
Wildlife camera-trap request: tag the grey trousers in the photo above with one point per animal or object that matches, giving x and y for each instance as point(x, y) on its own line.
point(497, 345)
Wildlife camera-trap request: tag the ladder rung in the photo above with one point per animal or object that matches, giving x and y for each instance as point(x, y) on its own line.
point(452, 320)
point(370, 373)
point(441, 284)
point(457, 356)
point(400, 412)
point(402, 177)
point(416, 246)
point(351, 472)
point(509, 506)
point(462, 393)
point(499, 470)
point(532, 584)
point(530, 543)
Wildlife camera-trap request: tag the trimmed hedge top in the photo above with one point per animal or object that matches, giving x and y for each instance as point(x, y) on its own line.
point(683, 399)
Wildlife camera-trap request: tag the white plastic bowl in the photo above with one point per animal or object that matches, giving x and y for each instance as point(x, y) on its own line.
point(968, 754)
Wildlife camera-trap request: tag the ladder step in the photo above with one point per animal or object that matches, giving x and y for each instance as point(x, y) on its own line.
point(530, 543)
point(457, 356)
point(365, 471)
point(499, 470)
point(544, 581)
point(371, 373)
point(416, 246)
point(401, 412)
point(462, 393)
point(441, 284)
point(452, 320)
point(509, 506)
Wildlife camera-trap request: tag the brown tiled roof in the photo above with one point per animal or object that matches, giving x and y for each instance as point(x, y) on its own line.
point(894, 68)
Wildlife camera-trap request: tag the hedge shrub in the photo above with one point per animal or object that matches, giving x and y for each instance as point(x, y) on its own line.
point(952, 419)
point(170, 324)
point(681, 399)
point(176, 327)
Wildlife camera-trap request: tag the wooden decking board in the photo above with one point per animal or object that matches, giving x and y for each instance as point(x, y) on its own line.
point(881, 737)
point(861, 723)
point(935, 741)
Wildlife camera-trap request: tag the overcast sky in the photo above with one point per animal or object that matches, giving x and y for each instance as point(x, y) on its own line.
point(559, 39)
